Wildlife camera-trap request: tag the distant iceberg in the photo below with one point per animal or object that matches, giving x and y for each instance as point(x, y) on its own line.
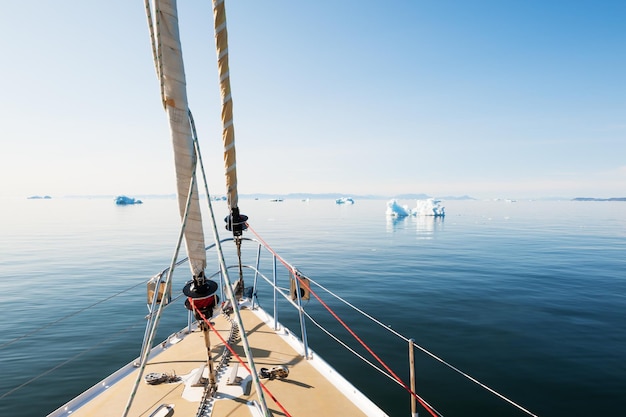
point(344, 200)
point(123, 200)
point(428, 207)
point(396, 210)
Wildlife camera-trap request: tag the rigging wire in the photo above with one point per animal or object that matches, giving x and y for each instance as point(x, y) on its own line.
point(69, 360)
point(222, 263)
point(239, 358)
point(364, 359)
point(371, 352)
point(427, 352)
point(388, 328)
point(168, 283)
point(154, 25)
point(283, 292)
point(45, 326)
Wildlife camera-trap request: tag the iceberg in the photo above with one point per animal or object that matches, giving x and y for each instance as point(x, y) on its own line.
point(394, 209)
point(123, 200)
point(344, 200)
point(428, 207)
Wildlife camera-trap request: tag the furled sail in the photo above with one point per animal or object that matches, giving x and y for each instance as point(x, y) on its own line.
point(236, 221)
point(171, 72)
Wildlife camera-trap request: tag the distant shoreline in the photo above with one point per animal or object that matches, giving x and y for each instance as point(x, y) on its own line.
point(599, 199)
point(332, 196)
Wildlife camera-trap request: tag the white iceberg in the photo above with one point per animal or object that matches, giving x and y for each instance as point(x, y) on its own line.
point(396, 210)
point(428, 207)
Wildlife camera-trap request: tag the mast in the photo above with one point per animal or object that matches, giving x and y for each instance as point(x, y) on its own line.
point(235, 221)
point(201, 292)
point(228, 129)
point(168, 60)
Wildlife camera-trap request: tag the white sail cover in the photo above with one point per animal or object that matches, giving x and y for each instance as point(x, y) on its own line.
point(171, 72)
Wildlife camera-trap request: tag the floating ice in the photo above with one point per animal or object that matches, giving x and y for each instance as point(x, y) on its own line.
point(396, 210)
point(344, 200)
point(122, 200)
point(428, 207)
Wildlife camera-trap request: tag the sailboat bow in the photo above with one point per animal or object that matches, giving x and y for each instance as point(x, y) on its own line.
point(234, 357)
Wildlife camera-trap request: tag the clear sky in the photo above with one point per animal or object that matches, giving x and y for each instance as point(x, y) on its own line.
point(510, 99)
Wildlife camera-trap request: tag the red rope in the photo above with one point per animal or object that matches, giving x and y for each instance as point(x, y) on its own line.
point(393, 374)
point(241, 361)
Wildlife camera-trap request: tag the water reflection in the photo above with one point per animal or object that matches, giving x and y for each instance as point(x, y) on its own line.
point(425, 226)
point(394, 223)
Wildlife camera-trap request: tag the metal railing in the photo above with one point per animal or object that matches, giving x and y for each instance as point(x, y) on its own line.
point(292, 294)
point(294, 299)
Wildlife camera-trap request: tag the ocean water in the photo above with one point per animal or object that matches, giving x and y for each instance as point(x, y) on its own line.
point(527, 297)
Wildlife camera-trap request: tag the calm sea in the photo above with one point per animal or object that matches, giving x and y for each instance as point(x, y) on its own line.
point(528, 297)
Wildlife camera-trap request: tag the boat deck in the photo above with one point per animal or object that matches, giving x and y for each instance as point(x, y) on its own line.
point(308, 390)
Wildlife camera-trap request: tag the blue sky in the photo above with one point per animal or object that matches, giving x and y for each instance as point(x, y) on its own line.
point(510, 99)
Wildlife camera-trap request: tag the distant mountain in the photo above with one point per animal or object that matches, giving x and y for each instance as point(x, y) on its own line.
point(412, 196)
point(291, 196)
point(300, 196)
point(599, 199)
point(451, 197)
point(297, 196)
point(334, 196)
